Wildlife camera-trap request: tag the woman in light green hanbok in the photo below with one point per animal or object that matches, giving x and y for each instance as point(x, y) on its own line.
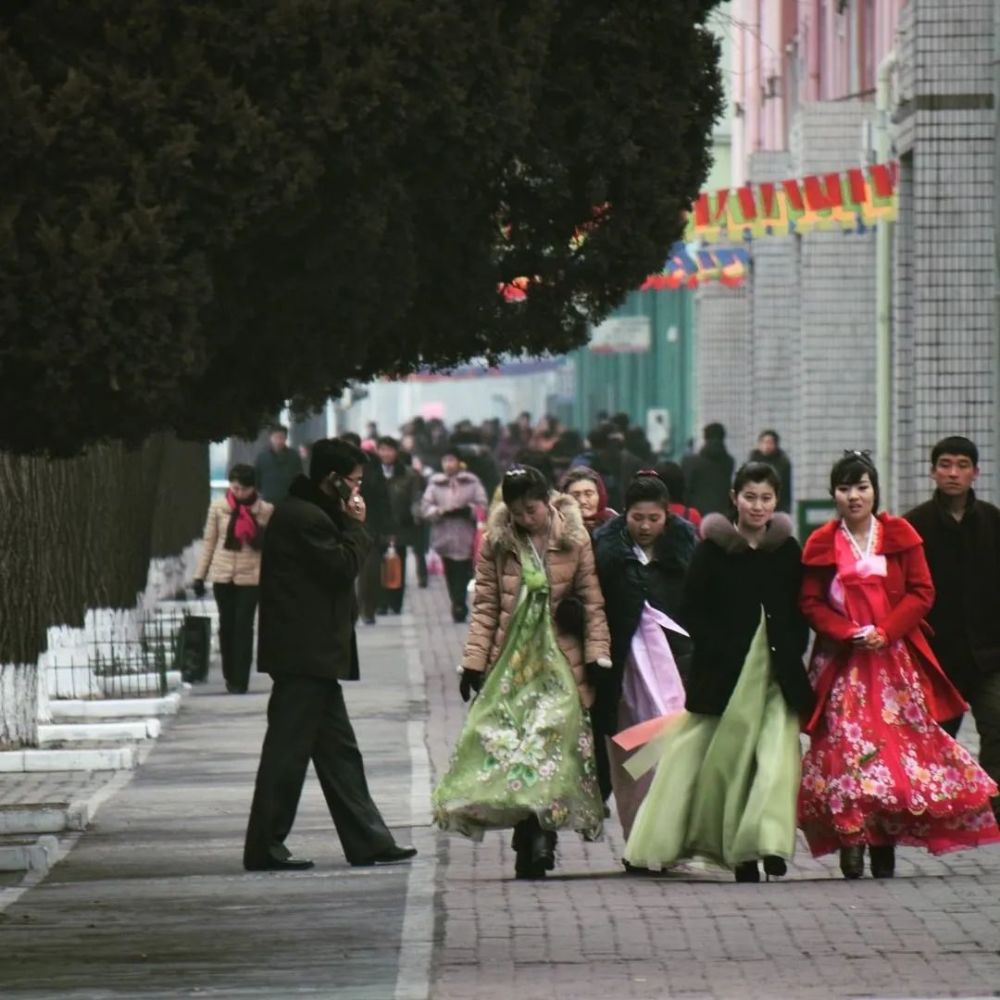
point(727, 772)
point(525, 756)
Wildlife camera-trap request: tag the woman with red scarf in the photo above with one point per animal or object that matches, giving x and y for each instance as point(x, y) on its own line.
point(880, 770)
point(230, 560)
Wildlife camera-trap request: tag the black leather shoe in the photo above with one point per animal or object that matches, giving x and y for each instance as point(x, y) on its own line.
point(852, 861)
point(747, 871)
point(883, 859)
point(279, 865)
point(394, 855)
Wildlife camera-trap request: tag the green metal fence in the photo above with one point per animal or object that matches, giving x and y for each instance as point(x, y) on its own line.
point(660, 378)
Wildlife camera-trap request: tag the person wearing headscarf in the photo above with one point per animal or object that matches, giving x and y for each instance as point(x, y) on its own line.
point(587, 488)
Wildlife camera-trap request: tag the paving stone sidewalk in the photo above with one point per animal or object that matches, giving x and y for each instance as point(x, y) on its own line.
point(590, 930)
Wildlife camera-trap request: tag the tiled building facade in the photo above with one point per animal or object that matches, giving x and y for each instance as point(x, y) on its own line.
point(805, 355)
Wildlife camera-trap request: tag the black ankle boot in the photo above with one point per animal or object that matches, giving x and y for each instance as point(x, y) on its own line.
point(747, 871)
point(775, 867)
point(525, 834)
point(852, 861)
point(543, 849)
point(883, 859)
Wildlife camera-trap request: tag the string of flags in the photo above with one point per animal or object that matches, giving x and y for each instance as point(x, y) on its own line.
point(851, 200)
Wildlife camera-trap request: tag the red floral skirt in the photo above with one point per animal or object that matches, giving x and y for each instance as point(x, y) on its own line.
point(880, 770)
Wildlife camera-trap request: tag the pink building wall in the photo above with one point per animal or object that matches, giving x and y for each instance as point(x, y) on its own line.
point(789, 52)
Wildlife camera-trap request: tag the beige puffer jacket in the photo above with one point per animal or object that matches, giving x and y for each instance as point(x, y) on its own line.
point(569, 565)
point(217, 564)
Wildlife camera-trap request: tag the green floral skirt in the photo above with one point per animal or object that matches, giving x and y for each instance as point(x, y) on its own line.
point(526, 748)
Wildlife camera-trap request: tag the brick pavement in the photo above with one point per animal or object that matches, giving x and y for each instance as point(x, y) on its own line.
point(590, 930)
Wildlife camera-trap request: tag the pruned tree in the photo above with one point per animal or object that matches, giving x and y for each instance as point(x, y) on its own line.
point(210, 208)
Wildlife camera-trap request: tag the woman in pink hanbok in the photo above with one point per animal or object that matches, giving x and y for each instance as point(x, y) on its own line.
point(880, 771)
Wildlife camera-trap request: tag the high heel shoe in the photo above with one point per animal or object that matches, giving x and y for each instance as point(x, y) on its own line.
point(747, 871)
point(852, 861)
point(775, 867)
point(883, 860)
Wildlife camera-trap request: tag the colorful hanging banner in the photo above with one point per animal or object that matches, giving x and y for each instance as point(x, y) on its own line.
point(690, 265)
point(851, 200)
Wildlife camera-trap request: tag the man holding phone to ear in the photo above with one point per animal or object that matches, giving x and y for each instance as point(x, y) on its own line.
point(313, 549)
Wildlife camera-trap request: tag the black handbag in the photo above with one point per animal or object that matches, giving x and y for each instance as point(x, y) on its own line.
point(194, 649)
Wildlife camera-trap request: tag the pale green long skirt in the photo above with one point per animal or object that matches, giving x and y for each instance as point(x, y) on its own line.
point(725, 786)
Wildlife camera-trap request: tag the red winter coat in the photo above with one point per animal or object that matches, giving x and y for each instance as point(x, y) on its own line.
point(911, 595)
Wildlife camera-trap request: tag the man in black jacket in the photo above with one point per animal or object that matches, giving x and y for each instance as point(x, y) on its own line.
point(709, 474)
point(962, 542)
point(375, 494)
point(313, 549)
point(406, 489)
point(770, 452)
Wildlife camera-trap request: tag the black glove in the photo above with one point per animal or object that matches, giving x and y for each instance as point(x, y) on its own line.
point(595, 673)
point(198, 586)
point(471, 680)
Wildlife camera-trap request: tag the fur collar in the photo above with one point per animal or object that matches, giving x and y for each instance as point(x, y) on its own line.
point(567, 532)
point(719, 529)
point(898, 535)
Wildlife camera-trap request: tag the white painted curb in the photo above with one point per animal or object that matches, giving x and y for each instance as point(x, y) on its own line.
point(91, 759)
point(71, 710)
point(95, 732)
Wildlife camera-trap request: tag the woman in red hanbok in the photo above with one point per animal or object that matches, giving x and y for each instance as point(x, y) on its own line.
point(880, 771)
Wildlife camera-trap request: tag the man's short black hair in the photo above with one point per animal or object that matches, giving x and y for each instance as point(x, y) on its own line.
point(955, 445)
point(714, 432)
point(278, 429)
point(387, 441)
point(332, 455)
point(771, 434)
point(351, 438)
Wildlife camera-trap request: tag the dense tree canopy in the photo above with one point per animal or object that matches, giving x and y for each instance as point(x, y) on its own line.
point(207, 208)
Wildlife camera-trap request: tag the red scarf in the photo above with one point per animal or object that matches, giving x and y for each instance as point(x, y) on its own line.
point(243, 527)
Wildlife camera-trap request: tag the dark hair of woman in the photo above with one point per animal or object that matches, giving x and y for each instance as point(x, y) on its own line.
point(243, 474)
point(673, 475)
point(646, 486)
point(851, 469)
point(523, 482)
point(757, 472)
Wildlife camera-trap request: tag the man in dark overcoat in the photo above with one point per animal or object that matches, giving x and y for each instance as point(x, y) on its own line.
point(313, 549)
point(961, 536)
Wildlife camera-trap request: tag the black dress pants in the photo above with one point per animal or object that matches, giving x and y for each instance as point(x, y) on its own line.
point(457, 574)
point(237, 608)
point(307, 720)
point(370, 582)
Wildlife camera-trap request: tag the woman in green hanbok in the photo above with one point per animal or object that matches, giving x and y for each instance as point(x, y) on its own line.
point(727, 772)
point(525, 756)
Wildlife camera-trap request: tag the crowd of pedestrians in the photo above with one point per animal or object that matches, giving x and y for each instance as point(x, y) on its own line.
point(639, 630)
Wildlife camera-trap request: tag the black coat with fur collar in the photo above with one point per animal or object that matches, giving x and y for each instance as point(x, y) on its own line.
point(727, 585)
